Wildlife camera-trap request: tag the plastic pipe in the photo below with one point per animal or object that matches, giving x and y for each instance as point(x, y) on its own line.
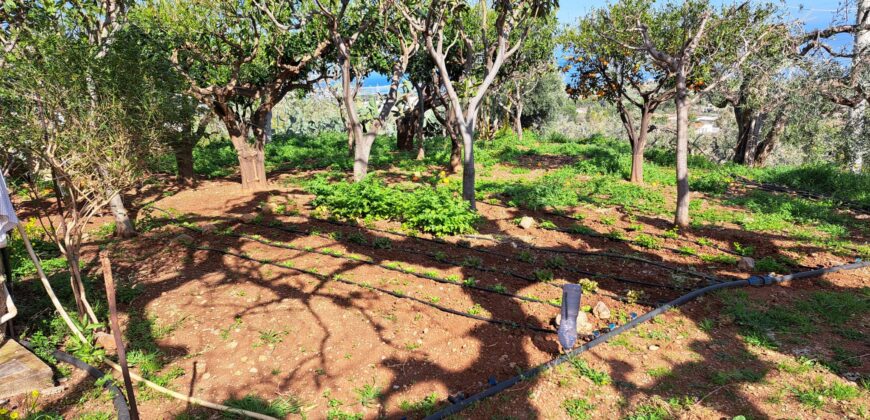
point(571, 294)
point(758, 281)
point(117, 397)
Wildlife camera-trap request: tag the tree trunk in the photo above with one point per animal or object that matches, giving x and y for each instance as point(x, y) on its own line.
point(745, 128)
point(681, 218)
point(252, 164)
point(638, 146)
point(123, 225)
point(362, 151)
point(762, 152)
point(467, 132)
point(455, 155)
point(421, 123)
point(455, 142)
point(518, 119)
point(184, 161)
point(858, 114)
point(406, 131)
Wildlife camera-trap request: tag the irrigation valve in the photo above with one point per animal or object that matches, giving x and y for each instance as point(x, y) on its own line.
point(571, 294)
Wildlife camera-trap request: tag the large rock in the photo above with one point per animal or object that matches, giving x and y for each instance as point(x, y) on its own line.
point(527, 222)
point(746, 264)
point(601, 311)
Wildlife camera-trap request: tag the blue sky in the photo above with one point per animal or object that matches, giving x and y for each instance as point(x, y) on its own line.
point(813, 14)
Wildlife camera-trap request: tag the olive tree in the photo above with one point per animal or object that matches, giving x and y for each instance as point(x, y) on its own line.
point(367, 38)
point(699, 46)
point(511, 25)
point(240, 58)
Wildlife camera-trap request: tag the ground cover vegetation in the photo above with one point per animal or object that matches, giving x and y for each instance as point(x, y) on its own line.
point(254, 186)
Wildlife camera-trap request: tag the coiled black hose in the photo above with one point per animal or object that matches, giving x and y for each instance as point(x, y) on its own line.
point(117, 396)
point(757, 281)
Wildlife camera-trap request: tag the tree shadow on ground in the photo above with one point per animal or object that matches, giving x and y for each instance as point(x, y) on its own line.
point(183, 280)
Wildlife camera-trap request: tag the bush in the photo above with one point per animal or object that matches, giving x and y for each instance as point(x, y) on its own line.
point(438, 211)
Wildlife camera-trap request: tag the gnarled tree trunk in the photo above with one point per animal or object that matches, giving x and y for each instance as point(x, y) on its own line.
point(123, 225)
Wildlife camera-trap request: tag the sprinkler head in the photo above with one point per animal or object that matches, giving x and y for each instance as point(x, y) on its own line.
point(632, 315)
point(611, 326)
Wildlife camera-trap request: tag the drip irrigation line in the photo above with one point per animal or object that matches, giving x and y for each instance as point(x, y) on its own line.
point(368, 260)
point(599, 235)
point(767, 186)
point(528, 279)
point(536, 248)
point(341, 279)
point(756, 281)
point(118, 400)
point(512, 273)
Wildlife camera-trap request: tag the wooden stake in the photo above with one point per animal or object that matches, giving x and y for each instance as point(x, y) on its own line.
point(116, 332)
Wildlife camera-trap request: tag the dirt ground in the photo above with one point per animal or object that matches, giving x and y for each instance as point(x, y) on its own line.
point(242, 327)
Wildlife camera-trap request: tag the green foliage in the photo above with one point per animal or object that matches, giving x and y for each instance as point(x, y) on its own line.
point(583, 369)
point(432, 210)
point(279, 407)
point(578, 408)
point(425, 407)
point(368, 394)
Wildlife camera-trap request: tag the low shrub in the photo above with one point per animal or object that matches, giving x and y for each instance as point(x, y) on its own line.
point(438, 210)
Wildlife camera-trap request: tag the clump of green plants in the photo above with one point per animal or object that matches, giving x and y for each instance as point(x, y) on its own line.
point(719, 259)
point(589, 286)
point(438, 210)
point(368, 394)
point(382, 243)
point(648, 241)
point(543, 275)
point(583, 369)
point(578, 408)
point(279, 407)
point(555, 262)
point(425, 406)
point(770, 265)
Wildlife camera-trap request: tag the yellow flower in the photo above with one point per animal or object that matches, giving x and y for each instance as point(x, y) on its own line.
point(35, 393)
point(442, 174)
point(13, 416)
point(3, 411)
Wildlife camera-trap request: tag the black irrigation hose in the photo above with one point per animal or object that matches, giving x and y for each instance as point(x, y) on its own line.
point(440, 280)
point(768, 186)
point(117, 396)
point(756, 281)
point(602, 236)
point(341, 279)
point(368, 261)
point(541, 249)
point(487, 269)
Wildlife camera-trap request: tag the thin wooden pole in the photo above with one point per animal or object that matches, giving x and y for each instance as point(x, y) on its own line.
point(116, 332)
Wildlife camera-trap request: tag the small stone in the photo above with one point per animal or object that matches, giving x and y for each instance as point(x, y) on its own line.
point(208, 228)
point(653, 347)
point(746, 264)
point(107, 342)
point(253, 370)
point(206, 376)
point(584, 327)
point(248, 217)
point(262, 358)
point(601, 311)
point(232, 344)
point(527, 222)
point(183, 238)
point(852, 376)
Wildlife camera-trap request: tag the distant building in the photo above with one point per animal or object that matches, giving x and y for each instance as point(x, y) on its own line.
point(706, 124)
